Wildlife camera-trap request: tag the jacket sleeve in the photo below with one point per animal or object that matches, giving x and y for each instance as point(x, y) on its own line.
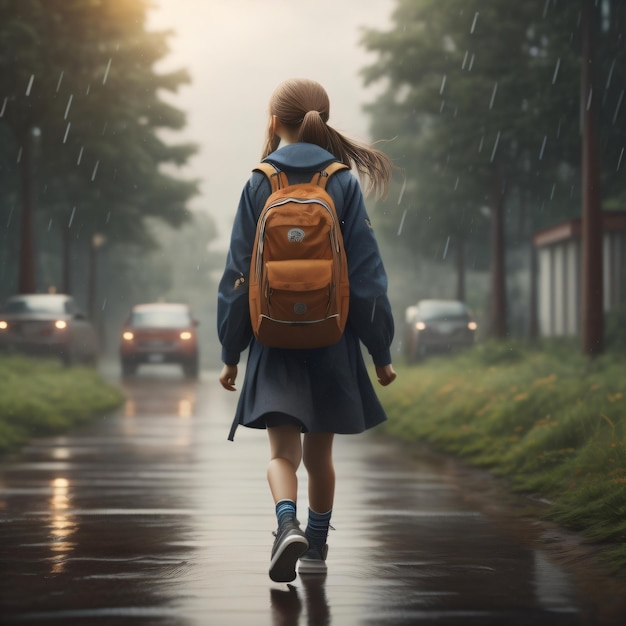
point(233, 313)
point(370, 315)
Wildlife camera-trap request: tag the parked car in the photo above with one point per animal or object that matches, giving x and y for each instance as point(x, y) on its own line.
point(159, 332)
point(48, 324)
point(437, 326)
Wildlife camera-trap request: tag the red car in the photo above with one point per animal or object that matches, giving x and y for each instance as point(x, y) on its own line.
point(160, 332)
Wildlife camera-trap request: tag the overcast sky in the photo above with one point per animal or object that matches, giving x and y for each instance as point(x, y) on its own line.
point(237, 52)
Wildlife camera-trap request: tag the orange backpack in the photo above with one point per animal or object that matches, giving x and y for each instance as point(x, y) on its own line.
point(299, 291)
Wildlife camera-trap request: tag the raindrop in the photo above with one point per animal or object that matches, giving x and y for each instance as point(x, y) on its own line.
point(59, 81)
point(471, 65)
point(545, 8)
point(480, 145)
point(4, 106)
point(30, 84)
point(619, 104)
point(558, 128)
point(49, 224)
point(474, 23)
point(465, 60)
point(610, 76)
point(87, 90)
point(104, 128)
point(589, 97)
point(543, 147)
point(104, 303)
point(106, 72)
point(19, 155)
point(443, 104)
point(445, 250)
point(69, 224)
point(80, 155)
point(556, 70)
point(67, 131)
point(552, 192)
point(443, 84)
point(95, 170)
point(493, 95)
point(402, 191)
point(69, 104)
point(10, 216)
point(108, 217)
point(373, 311)
point(495, 147)
point(619, 161)
point(401, 223)
point(456, 184)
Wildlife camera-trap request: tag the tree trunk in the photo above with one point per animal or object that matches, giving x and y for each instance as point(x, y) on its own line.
point(592, 271)
point(66, 259)
point(498, 279)
point(26, 282)
point(460, 267)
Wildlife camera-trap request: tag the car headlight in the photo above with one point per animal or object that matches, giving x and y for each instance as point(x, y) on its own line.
point(186, 335)
point(60, 324)
point(420, 326)
point(128, 336)
point(3, 325)
point(472, 325)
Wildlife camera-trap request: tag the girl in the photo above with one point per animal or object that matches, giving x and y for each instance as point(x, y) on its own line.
point(317, 392)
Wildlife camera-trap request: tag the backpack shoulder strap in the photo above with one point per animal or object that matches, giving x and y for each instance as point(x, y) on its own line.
point(277, 178)
point(321, 178)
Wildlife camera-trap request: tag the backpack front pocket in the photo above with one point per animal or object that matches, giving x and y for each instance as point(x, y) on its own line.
point(298, 291)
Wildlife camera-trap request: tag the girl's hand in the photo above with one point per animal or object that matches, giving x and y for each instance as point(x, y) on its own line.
point(385, 374)
point(228, 377)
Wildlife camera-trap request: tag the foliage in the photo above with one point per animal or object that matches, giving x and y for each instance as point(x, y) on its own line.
point(483, 100)
point(553, 422)
point(78, 88)
point(40, 398)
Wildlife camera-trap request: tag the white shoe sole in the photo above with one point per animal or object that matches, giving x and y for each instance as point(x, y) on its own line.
point(312, 566)
point(283, 564)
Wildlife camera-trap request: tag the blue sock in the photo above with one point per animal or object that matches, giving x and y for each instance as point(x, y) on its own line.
point(317, 528)
point(285, 511)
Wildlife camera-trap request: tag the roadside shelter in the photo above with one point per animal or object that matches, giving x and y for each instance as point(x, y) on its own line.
point(559, 273)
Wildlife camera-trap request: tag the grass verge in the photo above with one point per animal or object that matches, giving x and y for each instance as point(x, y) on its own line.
point(553, 422)
point(39, 398)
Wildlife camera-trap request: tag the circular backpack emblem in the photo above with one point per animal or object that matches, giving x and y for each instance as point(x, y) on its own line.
point(295, 235)
point(299, 308)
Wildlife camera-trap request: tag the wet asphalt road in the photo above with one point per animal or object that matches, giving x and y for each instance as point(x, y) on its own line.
point(151, 517)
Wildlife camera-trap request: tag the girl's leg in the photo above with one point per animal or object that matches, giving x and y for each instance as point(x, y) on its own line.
point(290, 543)
point(318, 461)
point(285, 457)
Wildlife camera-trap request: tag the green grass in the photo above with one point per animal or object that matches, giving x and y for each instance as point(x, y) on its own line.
point(552, 422)
point(39, 398)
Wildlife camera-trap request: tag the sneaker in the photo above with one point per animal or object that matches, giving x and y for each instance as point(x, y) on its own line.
point(289, 546)
point(313, 561)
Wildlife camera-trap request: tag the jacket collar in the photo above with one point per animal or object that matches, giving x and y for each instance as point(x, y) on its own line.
point(300, 156)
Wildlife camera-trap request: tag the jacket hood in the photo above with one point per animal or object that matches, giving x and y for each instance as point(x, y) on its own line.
point(300, 157)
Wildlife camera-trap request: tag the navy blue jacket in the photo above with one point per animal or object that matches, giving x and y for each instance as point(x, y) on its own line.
point(369, 321)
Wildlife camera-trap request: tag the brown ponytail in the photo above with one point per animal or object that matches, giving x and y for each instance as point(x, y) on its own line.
point(303, 106)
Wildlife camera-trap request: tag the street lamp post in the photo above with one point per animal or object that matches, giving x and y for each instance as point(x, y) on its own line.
point(97, 241)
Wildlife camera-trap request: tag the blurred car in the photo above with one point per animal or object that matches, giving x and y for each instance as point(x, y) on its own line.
point(437, 326)
point(48, 324)
point(159, 332)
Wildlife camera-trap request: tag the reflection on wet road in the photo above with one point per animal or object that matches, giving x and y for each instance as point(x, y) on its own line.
point(152, 517)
